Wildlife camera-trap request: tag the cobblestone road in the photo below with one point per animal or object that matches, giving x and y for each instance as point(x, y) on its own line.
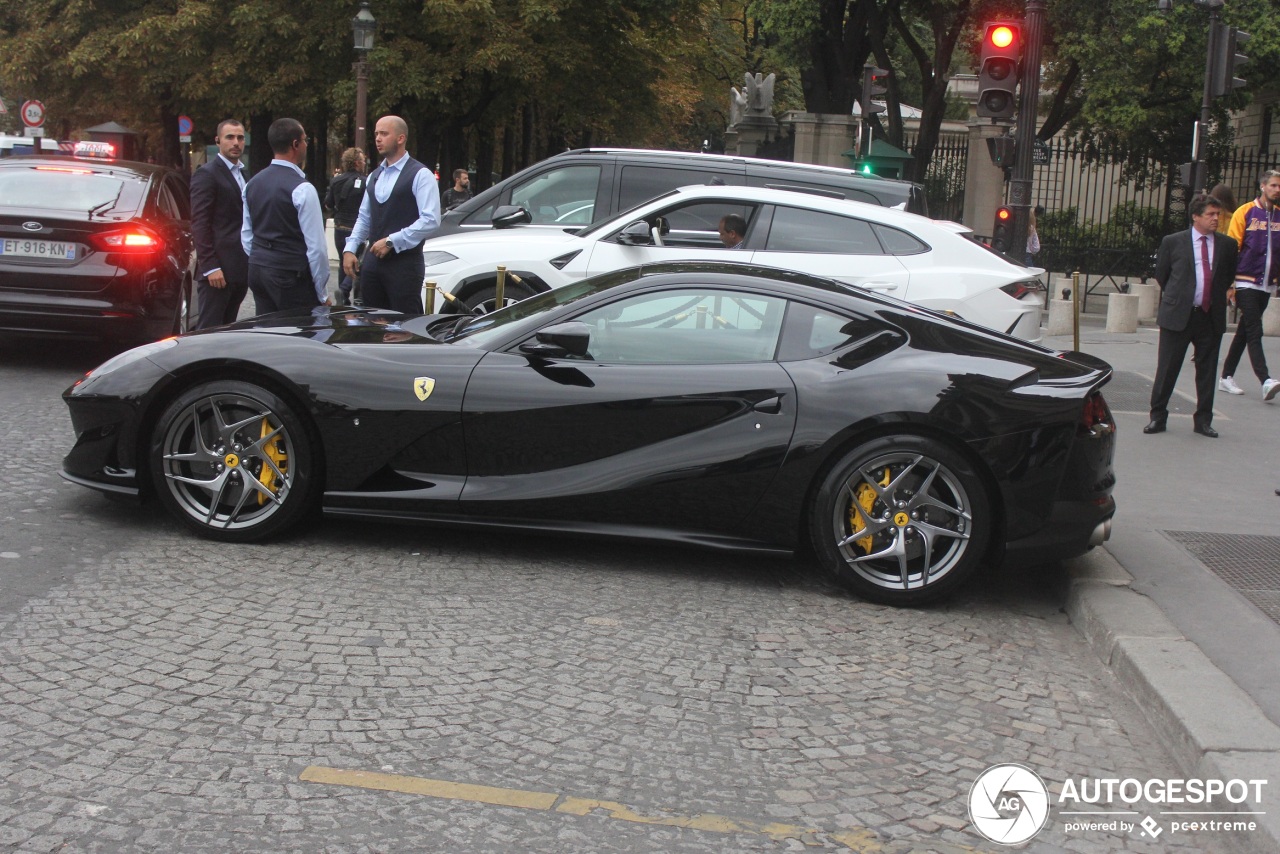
point(162, 693)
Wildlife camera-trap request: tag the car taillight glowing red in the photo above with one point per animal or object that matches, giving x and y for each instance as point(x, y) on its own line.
point(134, 241)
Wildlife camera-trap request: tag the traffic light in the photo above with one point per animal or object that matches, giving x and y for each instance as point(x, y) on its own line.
point(1227, 60)
point(998, 70)
point(1002, 231)
point(874, 84)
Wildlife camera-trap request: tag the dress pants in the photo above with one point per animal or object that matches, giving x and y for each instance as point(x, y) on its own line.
point(394, 282)
point(1253, 303)
point(1205, 342)
point(276, 290)
point(218, 306)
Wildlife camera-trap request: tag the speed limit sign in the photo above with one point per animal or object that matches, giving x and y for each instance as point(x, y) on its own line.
point(32, 113)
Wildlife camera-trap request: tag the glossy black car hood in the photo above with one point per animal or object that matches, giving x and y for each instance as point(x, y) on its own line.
point(338, 326)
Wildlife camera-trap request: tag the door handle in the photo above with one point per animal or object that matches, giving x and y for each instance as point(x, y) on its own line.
point(880, 286)
point(769, 406)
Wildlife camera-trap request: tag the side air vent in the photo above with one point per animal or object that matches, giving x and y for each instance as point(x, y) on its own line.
point(561, 262)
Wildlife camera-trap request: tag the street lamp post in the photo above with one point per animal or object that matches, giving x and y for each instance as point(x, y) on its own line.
point(363, 26)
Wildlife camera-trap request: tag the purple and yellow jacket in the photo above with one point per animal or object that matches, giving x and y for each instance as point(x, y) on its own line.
point(1257, 231)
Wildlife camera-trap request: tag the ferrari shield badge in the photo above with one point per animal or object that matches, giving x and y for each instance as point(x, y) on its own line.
point(423, 386)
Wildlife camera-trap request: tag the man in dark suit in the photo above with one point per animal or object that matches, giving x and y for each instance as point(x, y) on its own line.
point(1194, 269)
point(217, 206)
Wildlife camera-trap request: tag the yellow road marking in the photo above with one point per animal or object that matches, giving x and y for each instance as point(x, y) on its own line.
point(860, 840)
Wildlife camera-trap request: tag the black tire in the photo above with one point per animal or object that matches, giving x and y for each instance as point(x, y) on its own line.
point(487, 296)
point(901, 520)
point(233, 462)
point(182, 317)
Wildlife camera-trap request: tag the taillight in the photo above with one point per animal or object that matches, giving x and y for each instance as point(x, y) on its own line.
point(1096, 419)
point(133, 241)
point(1018, 290)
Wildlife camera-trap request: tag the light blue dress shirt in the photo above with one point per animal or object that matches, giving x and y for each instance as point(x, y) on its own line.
point(306, 201)
point(426, 192)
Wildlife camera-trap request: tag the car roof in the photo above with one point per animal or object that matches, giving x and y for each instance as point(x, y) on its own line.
point(816, 168)
point(91, 164)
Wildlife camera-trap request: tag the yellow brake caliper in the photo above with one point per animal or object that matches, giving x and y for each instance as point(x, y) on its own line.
point(277, 455)
point(866, 497)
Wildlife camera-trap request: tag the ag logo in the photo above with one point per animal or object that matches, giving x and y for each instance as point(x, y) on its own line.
point(1008, 804)
point(423, 386)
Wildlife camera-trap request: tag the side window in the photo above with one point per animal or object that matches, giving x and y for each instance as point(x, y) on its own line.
point(698, 224)
point(686, 326)
point(641, 183)
point(164, 201)
point(897, 242)
point(559, 195)
point(180, 198)
point(481, 216)
point(800, 230)
point(813, 331)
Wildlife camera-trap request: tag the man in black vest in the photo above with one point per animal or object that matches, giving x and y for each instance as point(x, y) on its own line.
point(283, 232)
point(217, 214)
point(400, 210)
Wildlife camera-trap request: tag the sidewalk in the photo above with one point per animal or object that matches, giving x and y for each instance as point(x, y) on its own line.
point(1183, 603)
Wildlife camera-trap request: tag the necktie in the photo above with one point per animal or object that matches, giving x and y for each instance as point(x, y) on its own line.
point(1208, 278)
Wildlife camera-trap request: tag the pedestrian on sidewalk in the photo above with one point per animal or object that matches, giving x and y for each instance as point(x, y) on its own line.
point(346, 191)
point(1194, 269)
point(283, 232)
point(460, 191)
point(1256, 229)
point(400, 210)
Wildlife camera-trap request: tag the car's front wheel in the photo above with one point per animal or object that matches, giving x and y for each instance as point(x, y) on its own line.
point(902, 520)
point(233, 461)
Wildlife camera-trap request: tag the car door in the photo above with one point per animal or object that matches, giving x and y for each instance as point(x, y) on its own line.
point(677, 418)
point(834, 245)
point(689, 232)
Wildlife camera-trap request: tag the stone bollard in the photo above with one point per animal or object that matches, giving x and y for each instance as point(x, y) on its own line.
point(1271, 318)
point(1148, 299)
point(1059, 283)
point(1060, 322)
point(1122, 312)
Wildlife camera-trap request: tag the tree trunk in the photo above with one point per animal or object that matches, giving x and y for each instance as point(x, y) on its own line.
point(259, 148)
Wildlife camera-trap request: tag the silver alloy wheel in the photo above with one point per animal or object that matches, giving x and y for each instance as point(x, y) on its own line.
point(226, 460)
point(904, 521)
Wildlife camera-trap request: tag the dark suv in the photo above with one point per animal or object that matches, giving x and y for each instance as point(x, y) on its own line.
point(577, 188)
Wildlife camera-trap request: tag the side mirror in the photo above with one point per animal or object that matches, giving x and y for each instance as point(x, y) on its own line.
point(509, 216)
point(563, 339)
point(636, 234)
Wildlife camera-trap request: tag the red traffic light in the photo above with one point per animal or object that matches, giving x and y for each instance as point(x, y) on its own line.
point(1001, 36)
point(1004, 214)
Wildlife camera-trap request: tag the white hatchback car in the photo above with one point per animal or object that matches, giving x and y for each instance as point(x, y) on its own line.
point(933, 264)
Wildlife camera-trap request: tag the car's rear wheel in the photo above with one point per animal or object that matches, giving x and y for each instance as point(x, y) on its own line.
point(182, 317)
point(902, 520)
point(233, 461)
point(486, 298)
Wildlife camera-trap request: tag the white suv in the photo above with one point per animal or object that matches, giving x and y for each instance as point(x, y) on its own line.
point(934, 264)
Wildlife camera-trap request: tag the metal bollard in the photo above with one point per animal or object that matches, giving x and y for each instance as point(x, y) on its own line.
point(498, 301)
point(1075, 309)
point(428, 297)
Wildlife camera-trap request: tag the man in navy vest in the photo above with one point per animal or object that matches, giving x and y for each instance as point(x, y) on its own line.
point(283, 231)
point(400, 210)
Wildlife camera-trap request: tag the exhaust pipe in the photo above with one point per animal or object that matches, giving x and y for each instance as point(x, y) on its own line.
point(1100, 534)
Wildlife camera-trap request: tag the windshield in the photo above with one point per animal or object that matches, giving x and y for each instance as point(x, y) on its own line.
point(599, 226)
point(479, 331)
point(57, 188)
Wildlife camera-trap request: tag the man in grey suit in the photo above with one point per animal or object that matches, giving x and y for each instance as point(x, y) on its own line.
point(1194, 269)
point(217, 207)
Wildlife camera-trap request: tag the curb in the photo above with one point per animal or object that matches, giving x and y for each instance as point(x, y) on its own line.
point(1211, 726)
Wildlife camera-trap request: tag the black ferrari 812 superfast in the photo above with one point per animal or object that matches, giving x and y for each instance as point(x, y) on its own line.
point(713, 404)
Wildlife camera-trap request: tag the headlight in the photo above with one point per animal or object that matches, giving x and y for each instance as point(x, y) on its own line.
point(129, 356)
point(434, 259)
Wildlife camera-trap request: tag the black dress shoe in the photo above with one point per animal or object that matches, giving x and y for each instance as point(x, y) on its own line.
point(1154, 427)
point(1206, 430)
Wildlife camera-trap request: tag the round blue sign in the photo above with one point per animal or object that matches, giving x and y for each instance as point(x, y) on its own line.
point(184, 126)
